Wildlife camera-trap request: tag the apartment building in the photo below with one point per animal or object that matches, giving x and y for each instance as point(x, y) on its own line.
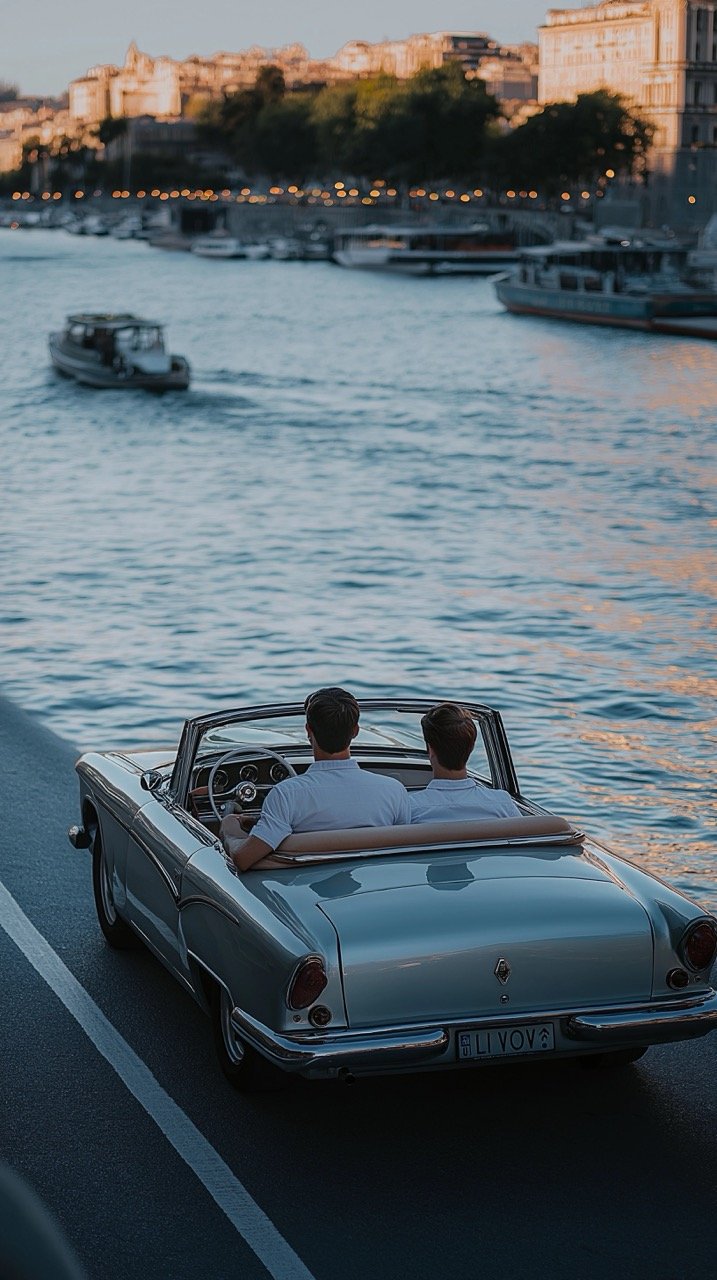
point(661, 54)
point(162, 87)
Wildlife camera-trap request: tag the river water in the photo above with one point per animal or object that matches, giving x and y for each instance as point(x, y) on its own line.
point(379, 482)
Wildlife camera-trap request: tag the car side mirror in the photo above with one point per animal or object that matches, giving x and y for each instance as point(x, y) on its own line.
point(151, 780)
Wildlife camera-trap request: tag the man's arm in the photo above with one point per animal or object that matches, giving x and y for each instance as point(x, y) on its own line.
point(243, 850)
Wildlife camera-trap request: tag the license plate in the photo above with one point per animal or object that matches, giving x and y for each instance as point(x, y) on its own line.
point(506, 1042)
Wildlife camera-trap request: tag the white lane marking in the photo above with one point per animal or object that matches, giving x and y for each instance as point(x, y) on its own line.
point(232, 1198)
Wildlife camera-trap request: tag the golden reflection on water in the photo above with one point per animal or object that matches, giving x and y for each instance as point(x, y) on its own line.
point(684, 377)
point(696, 569)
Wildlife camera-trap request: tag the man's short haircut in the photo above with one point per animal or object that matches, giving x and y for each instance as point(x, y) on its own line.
point(332, 715)
point(451, 731)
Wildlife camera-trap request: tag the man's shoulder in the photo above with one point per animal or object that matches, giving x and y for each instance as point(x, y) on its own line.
point(383, 780)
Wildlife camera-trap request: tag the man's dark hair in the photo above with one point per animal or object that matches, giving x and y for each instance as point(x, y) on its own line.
point(451, 731)
point(332, 715)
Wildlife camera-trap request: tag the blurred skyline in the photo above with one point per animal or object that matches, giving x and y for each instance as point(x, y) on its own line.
point(46, 45)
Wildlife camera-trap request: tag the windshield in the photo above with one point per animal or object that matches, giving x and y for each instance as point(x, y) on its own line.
point(381, 732)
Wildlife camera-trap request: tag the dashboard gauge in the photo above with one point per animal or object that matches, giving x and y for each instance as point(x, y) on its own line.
point(221, 780)
point(248, 773)
point(277, 772)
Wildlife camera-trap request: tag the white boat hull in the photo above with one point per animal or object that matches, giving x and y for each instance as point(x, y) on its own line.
point(416, 263)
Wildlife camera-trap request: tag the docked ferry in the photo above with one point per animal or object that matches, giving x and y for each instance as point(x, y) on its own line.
point(631, 284)
point(119, 351)
point(474, 250)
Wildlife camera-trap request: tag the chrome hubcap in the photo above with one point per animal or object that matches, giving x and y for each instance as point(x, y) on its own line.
point(232, 1042)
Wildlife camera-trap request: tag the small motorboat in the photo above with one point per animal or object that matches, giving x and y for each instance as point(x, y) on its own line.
point(257, 252)
point(219, 246)
point(285, 248)
point(120, 351)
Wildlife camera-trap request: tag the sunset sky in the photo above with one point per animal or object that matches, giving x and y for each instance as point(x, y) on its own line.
point(45, 44)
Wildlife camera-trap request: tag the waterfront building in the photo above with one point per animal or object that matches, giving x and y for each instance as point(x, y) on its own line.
point(36, 122)
point(511, 66)
point(403, 58)
point(10, 150)
point(661, 54)
point(168, 89)
point(89, 96)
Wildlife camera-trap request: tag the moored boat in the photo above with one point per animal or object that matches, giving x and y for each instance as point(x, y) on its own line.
point(632, 284)
point(120, 351)
point(472, 250)
point(219, 246)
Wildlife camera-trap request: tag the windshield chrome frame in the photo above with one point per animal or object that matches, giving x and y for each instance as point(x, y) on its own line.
point(489, 720)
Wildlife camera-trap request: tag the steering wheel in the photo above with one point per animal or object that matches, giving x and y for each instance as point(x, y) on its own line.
point(235, 793)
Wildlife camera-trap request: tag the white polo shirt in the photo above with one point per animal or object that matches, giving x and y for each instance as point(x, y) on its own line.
point(460, 799)
point(331, 794)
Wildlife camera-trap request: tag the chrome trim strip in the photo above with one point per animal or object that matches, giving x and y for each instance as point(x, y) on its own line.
point(489, 719)
point(458, 846)
point(201, 900)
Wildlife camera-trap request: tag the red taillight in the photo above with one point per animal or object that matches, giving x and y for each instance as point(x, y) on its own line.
point(307, 983)
point(699, 945)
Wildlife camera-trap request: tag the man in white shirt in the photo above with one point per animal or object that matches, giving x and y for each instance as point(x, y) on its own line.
point(333, 792)
point(450, 735)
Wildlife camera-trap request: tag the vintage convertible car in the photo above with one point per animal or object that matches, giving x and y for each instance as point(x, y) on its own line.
point(379, 950)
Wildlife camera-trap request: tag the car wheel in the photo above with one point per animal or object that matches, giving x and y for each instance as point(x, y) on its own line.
point(613, 1058)
point(244, 1068)
point(116, 930)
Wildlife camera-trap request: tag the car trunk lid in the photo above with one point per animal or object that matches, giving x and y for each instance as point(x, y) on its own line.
point(568, 936)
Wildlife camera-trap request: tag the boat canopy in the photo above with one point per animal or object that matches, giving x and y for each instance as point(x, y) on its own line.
point(126, 320)
point(632, 255)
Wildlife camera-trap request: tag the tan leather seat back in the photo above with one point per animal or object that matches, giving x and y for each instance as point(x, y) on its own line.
point(429, 833)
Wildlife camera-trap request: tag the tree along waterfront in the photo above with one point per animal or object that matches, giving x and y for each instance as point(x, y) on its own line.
point(436, 125)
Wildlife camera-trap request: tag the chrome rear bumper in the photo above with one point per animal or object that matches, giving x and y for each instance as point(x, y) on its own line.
point(330, 1052)
point(657, 1024)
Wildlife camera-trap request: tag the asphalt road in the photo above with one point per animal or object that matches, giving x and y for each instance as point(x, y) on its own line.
point(513, 1172)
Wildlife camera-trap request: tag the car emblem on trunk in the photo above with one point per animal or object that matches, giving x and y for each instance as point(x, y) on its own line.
point(502, 970)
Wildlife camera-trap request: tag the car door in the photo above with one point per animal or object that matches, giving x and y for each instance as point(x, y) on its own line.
point(162, 839)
